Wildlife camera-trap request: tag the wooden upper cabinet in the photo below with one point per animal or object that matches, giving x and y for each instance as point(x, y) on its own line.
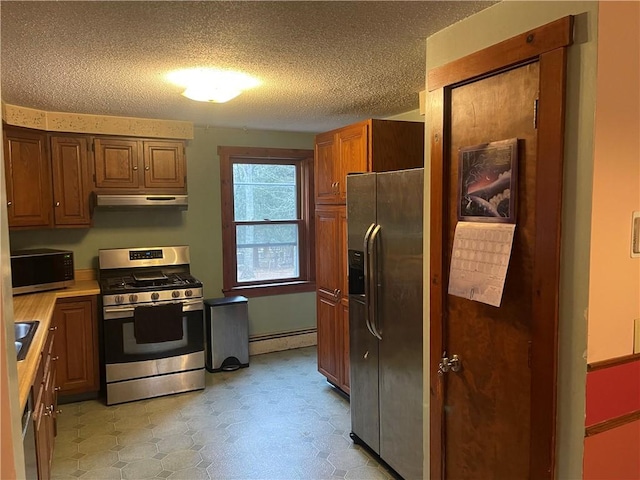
point(124, 165)
point(368, 146)
point(353, 148)
point(326, 168)
point(71, 185)
point(27, 177)
point(164, 165)
point(116, 163)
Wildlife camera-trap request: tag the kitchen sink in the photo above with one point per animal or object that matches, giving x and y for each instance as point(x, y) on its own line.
point(24, 332)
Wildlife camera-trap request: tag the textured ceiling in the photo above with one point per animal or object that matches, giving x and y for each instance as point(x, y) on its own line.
point(322, 64)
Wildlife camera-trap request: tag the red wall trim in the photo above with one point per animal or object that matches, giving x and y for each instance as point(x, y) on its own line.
point(612, 392)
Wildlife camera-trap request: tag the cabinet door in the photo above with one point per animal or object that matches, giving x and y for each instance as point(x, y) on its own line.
point(116, 163)
point(76, 345)
point(352, 147)
point(164, 165)
point(41, 437)
point(328, 256)
point(326, 169)
point(329, 334)
point(71, 189)
point(28, 179)
point(346, 364)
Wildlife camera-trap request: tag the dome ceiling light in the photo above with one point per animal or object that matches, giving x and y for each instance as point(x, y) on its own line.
point(212, 85)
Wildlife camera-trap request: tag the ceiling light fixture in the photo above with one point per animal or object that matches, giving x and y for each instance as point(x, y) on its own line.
point(212, 85)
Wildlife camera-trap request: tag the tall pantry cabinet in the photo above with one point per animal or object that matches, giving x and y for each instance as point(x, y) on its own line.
point(368, 146)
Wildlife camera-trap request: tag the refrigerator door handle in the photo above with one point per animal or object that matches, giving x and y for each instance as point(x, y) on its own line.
point(373, 278)
point(367, 276)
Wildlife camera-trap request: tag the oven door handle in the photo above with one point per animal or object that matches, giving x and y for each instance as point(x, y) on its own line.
point(111, 313)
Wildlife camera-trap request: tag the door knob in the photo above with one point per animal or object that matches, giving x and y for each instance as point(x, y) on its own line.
point(454, 364)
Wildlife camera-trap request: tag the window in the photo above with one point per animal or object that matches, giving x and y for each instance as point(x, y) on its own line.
point(267, 220)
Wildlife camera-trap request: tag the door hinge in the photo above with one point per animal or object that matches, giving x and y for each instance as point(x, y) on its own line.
point(535, 113)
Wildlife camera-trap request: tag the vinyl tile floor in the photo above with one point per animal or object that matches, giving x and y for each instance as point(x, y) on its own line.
point(276, 419)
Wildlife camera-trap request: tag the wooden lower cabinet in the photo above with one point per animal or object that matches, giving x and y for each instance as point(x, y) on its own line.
point(45, 407)
point(76, 345)
point(329, 334)
point(333, 303)
point(333, 340)
point(346, 363)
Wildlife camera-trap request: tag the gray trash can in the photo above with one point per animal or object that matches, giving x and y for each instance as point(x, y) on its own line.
point(227, 333)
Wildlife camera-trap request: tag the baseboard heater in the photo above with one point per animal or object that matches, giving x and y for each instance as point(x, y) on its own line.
point(275, 342)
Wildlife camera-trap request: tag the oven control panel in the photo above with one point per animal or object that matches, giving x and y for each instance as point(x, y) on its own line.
point(144, 254)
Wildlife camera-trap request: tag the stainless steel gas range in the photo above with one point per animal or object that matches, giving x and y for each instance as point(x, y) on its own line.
point(153, 326)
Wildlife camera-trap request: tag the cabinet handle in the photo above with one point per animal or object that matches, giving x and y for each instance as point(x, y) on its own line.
point(59, 411)
point(56, 389)
point(146, 167)
point(57, 204)
point(53, 329)
point(54, 359)
point(47, 411)
point(9, 204)
point(135, 167)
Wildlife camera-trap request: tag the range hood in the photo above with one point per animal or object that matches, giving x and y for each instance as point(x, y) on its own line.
point(142, 200)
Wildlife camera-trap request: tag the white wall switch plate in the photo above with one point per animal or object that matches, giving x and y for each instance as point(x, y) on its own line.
point(636, 335)
point(635, 235)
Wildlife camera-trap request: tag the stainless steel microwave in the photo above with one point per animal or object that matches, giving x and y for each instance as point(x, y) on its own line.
point(41, 269)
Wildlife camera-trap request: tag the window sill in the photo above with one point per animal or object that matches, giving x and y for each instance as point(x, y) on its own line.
point(270, 289)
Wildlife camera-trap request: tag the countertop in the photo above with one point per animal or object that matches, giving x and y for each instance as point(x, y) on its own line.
point(39, 306)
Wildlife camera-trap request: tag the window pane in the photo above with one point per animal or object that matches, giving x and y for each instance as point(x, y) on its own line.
point(267, 252)
point(264, 192)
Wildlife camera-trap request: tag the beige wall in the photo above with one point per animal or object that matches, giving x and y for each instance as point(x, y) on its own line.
point(614, 290)
point(497, 23)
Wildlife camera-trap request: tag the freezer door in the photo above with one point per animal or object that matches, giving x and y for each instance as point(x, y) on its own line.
point(361, 208)
point(399, 319)
point(363, 351)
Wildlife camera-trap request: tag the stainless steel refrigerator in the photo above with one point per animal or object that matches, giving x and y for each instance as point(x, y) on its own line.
point(384, 215)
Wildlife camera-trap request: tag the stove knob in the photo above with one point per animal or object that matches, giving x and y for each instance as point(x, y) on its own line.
point(175, 294)
point(155, 296)
point(119, 299)
point(133, 298)
point(188, 293)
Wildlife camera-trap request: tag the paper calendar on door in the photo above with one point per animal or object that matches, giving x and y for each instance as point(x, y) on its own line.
point(479, 261)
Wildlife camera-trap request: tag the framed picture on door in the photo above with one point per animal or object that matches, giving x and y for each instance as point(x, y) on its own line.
point(488, 180)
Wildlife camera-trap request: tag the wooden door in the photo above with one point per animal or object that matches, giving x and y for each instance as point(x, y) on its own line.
point(495, 418)
point(76, 345)
point(164, 165)
point(352, 147)
point(329, 334)
point(71, 189)
point(325, 169)
point(116, 163)
point(490, 398)
point(328, 283)
point(28, 178)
